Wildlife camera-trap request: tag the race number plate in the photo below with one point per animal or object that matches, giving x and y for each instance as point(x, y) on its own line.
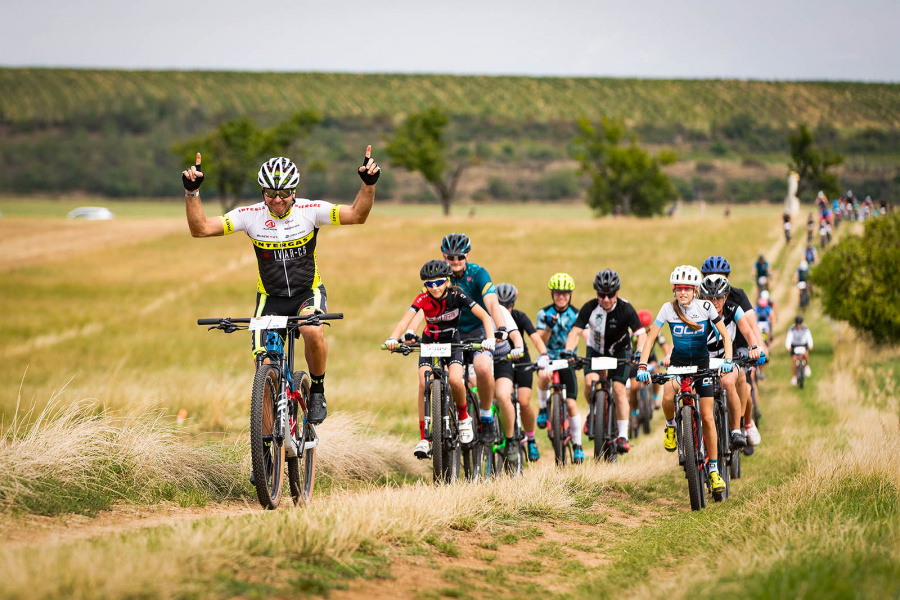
point(715, 363)
point(801, 285)
point(681, 370)
point(799, 350)
point(604, 363)
point(435, 350)
point(558, 365)
point(268, 322)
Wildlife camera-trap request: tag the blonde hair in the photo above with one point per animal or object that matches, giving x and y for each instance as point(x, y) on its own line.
point(678, 311)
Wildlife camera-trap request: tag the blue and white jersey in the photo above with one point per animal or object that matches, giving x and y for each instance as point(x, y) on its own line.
point(559, 324)
point(731, 314)
point(689, 345)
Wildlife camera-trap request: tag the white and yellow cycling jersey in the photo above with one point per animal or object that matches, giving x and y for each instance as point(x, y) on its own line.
point(286, 246)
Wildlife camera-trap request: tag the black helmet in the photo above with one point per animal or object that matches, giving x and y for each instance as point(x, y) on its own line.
point(456, 243)
point(714, 286)
point(507, 293)
point(434, 269)
point(607, 281)
point(798, 320)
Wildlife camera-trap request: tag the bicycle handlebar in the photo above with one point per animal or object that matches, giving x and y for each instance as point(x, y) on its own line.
point(405, 349)
point(293, 322)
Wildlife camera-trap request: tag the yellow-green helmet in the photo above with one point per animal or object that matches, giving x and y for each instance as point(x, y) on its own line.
point(562, 282)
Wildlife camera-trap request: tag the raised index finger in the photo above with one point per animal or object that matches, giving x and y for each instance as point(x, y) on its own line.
point(368, 151)
point(198, 159)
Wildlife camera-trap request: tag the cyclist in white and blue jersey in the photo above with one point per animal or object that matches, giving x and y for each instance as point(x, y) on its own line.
point(690, 321)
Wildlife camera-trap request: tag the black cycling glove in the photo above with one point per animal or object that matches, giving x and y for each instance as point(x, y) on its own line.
point(364, 175)
point(192, 185)
point(501, 334)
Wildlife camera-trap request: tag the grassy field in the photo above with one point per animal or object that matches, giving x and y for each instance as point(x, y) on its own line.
point(112, 328)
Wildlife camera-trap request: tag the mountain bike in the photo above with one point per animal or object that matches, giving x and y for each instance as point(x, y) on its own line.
point(601, 418)
point(641, 417)
point(804, 294)
point(516, 467)
point(689, 429)
point(279, 429)
point(801, 364)
point(558, 415)
point(441, 421)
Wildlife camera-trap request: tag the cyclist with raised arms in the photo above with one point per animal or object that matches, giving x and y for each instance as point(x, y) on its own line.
point(690, 321)
point(715, 288)
point(475, 281)
point(554, 322)
point(611, 321)
point(798, 335)
point(507, 294)
point(441, 305)
point(283, 230)
point(717, 265)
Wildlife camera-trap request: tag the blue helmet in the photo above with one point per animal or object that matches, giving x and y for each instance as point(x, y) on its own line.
point(456, 243)
point(715, 265)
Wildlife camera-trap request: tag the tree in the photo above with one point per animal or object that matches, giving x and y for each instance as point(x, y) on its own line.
point(419, 146)
point(859, 281)
point(622, 175)
point(812, 164)
point(233, 152)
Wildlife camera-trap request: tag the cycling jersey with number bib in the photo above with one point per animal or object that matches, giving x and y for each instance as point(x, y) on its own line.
point(285, 246)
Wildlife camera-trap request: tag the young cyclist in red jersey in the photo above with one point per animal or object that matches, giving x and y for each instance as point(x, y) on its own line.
point(442, 305)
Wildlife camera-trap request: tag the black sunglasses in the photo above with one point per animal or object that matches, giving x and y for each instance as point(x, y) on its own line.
point(455, 256)
point(606, 294)
point(270, 193)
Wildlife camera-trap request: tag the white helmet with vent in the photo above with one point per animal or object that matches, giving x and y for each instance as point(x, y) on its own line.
point(685, 275)
point(278, 173)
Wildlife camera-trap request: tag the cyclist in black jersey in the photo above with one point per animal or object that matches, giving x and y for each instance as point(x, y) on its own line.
point(611, 321)
point(284, 238)
point(717, 265)
point(507, 294)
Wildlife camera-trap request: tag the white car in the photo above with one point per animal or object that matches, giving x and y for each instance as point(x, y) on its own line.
point(91, 213)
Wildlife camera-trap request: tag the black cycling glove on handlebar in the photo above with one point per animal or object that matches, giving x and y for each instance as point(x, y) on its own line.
point(364, 175)
point(501, 334)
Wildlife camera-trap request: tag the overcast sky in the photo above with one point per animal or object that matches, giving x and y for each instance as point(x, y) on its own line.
point(757, 39)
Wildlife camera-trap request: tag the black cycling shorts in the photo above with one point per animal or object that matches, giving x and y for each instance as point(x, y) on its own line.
point(523, 377)
point(503, 369)
point(314, 299)
point(705, 386)
point(567, 378)
point(621, 372)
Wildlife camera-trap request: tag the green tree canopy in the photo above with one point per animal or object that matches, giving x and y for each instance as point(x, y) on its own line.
point(859, 280)
point(233, 152)
point(812, 164)
point(419, 146)
point(622, 173)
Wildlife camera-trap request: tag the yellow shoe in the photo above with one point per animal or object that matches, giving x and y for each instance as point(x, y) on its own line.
point(718, 484)
point(670, 442)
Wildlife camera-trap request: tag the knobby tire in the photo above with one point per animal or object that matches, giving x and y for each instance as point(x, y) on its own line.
point(691, 453)
point(437, 431)
point(302, 469)
point(267, 456)
point(556, 423)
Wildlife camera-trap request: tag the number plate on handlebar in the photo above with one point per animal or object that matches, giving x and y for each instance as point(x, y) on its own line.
point(801, 285)
point(435, 350)
point(799, 350)
point(681, 370)
point(715, 363)
point(604, 363)
point(268, 322)
point(558, 365)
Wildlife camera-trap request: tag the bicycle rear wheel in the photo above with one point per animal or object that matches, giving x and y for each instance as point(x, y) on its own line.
point(302, 468)
point(267, 453)
point(645, 404)
point(691, 454)
point(556, 425)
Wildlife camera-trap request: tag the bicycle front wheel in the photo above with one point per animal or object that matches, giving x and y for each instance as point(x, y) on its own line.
point(556, 426)
point(266, 452)
point(437, 430)
point(720, 414)
point(691, 453)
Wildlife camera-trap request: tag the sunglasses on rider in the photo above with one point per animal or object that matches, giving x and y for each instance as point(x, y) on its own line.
point(455, 256)
point(436, 282)
point(683, 288)
point(283, 194)
point(605, 295)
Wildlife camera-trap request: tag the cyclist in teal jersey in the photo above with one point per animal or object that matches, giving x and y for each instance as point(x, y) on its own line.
point(554, 322)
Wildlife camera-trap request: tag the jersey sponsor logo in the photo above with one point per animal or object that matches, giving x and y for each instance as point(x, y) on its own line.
point(684, 330)
point(336, 215)
point(228, 224)
point(284, 245)
point(270, 224)
point(447, 316)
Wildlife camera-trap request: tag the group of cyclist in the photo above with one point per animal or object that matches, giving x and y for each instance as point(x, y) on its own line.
point(459, 302)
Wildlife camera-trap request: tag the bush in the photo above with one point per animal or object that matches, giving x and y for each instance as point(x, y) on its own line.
point(559, 185)
point(859, 281)
point(704, 167)
point(499, 189)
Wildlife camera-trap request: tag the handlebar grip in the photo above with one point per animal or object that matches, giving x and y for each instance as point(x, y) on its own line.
point(330, 316)
point(208, 321)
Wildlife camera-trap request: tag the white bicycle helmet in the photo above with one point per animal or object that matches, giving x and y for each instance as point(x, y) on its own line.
point(278, 173)
point(685, 275)
point(804, 265)
point(764, 294)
